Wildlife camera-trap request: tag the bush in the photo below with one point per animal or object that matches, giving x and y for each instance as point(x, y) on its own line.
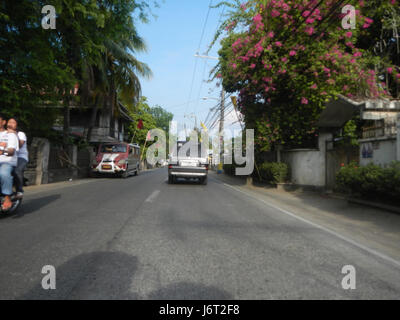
point(274, 172)
point(371, 182)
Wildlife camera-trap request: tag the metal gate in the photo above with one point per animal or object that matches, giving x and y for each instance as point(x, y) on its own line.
point(338, 155)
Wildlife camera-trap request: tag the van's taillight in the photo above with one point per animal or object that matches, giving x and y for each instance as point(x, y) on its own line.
point(170, 166)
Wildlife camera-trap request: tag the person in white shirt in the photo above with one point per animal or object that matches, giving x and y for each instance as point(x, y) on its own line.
point(22, 155)
point(8, 160)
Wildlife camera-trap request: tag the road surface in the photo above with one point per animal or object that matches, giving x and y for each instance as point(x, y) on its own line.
point(141, 238)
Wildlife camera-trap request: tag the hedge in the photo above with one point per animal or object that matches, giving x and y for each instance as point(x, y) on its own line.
point(271, 172)
point(274, 172)
point(371, 181)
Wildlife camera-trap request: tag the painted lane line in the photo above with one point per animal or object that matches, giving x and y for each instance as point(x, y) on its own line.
point(354, 243)
point(151, 197)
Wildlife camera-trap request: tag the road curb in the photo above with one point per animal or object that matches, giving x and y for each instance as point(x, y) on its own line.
point(374, 204)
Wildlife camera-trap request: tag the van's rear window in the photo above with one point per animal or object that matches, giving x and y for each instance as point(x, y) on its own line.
point(113, 148)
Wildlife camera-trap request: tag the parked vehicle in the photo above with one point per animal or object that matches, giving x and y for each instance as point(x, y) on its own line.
point(119, 158)
point(190, 161)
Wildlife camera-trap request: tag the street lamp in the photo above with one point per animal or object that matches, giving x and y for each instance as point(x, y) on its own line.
point(205, 57)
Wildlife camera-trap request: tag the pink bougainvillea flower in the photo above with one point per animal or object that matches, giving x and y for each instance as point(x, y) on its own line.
point(348, 34)
point(369, 21)
point(284, 59)
point(390, 70)
point(285, 7)
point(314, 86)
point(310, 20)
point(278, 44)
point(292, 53)
point(275, 13)
point(270, 34)
point(310, 30)
point(257, 18)
point(304, 100)
point(252, 66)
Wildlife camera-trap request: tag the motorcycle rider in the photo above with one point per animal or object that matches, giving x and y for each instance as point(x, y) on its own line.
point(22, 155)
point(8, 160)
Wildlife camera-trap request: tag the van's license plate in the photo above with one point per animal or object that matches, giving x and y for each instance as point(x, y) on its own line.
point(106, 167)
point(188, 164)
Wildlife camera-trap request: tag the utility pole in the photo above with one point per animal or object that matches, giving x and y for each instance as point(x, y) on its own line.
point(222, 115)
point(221, 131)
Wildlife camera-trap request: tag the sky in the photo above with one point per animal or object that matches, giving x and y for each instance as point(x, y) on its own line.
point(173, 38)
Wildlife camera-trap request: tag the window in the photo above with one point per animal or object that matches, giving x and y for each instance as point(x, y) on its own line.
point(113, 148)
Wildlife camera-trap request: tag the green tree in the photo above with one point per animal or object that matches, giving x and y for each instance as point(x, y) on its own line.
point(141, 111)
point(93, 46)
point(162, 117)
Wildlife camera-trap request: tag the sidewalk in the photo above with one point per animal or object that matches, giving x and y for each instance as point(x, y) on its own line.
point(378, 229)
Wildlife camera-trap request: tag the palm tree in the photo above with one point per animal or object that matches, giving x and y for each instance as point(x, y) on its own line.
point(115, 77)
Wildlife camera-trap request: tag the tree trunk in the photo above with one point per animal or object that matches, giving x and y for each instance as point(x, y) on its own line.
point(66, 121)
point(92, 121)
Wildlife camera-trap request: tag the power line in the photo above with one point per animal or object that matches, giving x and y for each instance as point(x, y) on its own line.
point(218, 26)
point(198, 49)
point(216, 112)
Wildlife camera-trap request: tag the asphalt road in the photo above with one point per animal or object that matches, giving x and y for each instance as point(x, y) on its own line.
point(141, 238)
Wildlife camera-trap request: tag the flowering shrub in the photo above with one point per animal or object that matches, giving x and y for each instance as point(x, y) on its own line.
point(288, 58)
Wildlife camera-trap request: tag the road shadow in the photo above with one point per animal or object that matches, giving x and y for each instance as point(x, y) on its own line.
point(183, 181)
point(92, 276)
point(105, 275)
point(30, 206)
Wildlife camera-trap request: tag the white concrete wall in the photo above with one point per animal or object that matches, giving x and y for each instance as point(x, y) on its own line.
point(307, 166)
point(382, 151)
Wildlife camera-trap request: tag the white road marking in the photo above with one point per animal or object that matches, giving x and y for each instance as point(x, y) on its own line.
point(369, 250)
point(151, 197)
